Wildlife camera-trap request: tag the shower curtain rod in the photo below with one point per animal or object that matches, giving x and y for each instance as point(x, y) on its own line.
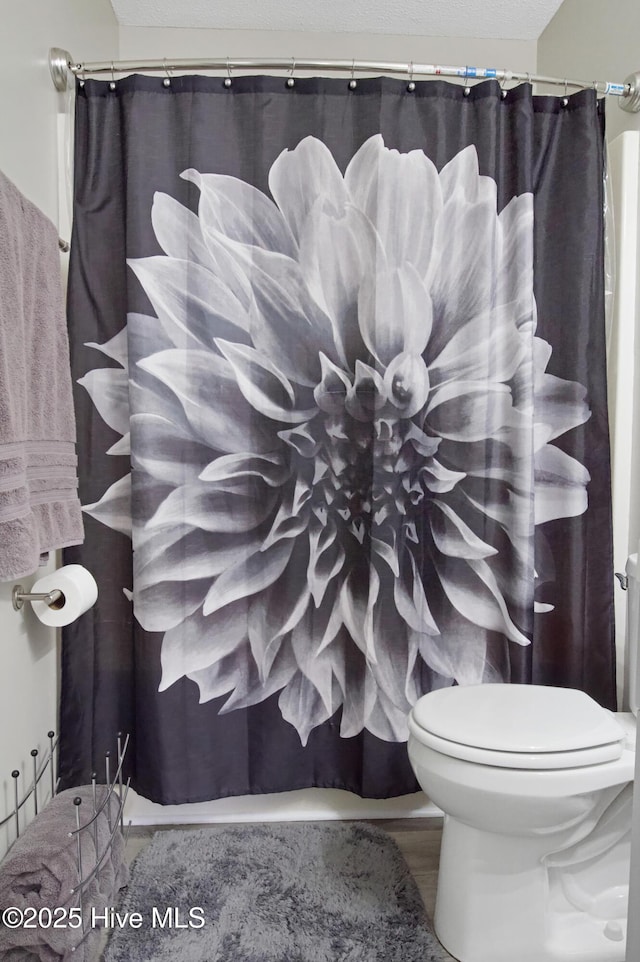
point(61, 63)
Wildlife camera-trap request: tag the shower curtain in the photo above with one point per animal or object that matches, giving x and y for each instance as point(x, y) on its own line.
point(342, 420)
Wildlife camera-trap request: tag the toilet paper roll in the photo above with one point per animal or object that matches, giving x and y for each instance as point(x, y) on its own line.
point(79, 590)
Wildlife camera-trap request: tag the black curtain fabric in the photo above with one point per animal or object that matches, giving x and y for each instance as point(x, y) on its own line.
point(340, 371)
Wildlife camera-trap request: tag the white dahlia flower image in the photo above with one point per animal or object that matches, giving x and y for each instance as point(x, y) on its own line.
point(342, 435)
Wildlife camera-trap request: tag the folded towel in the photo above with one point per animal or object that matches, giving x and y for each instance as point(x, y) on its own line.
point(39, 506)
point(19, 955)
point(41, 868)
point(85, 953)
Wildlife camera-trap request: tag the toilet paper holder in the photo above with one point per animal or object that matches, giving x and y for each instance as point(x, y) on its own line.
point(19, 596)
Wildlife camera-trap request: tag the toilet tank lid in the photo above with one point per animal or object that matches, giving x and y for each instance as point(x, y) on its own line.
point(517, 718)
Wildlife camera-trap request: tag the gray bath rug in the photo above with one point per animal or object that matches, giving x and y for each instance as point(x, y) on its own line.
point(272, 893)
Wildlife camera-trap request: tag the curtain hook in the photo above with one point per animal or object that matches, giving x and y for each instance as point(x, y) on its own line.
point(82, 76)
point(353, 83)
point(291, 79)
point(467, 88)
point(112, 84)
point(565, 99)
point(411, 85)
point(167, 80)
point(503, 92)
point(227, 79)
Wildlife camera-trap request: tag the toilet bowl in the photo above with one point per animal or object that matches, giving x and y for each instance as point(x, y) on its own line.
point(536, 784)
point(536, 787)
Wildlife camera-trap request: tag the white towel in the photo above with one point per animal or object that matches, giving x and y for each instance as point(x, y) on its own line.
point(39, 506)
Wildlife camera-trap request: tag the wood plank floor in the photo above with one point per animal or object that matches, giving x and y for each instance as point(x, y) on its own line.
point(417, 838)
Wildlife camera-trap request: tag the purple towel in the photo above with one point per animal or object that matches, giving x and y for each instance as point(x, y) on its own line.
point(39, 506)
point(40, 870)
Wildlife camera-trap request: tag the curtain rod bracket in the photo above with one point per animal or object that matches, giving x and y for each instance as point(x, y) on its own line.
point(631, 102)
point(59, 61)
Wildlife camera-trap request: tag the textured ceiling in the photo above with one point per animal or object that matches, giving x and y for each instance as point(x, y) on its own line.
point(497, 19)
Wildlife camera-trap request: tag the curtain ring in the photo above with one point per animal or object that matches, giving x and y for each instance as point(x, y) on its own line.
point(112, 84)
point(353, 83)
point(167, 80)
point(227, 79)
point(411, 85)
point(291, 79)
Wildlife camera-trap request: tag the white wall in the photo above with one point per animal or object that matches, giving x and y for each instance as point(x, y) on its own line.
point(159, 42)
point(29, 107)
point(622, 364)
point(593, 40)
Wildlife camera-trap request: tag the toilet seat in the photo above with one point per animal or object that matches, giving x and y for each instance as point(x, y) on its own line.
point(532, 761)
point(517, 726)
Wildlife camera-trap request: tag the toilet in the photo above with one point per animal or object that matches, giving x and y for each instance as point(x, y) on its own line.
point(536, 784)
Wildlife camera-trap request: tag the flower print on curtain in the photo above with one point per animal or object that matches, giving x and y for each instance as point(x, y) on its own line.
point(345, 376)
point(346, 433)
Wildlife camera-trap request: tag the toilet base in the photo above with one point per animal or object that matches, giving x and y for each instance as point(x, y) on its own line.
point(493, 904)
